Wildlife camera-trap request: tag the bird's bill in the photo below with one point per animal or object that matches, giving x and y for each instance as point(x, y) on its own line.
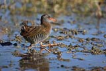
point(52, 19)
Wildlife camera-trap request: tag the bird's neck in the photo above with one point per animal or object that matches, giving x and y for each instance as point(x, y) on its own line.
point(46, 25)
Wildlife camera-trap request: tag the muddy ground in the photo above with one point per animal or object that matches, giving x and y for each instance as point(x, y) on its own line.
point(82, 48)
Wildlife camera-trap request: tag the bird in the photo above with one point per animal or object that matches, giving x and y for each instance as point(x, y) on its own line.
point(37, 34)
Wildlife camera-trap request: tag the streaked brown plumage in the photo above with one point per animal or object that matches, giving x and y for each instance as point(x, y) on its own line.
point(36, 34)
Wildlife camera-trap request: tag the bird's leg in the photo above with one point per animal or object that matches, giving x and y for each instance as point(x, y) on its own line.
point(42, 47)
point(29, 48)
point(48, 45)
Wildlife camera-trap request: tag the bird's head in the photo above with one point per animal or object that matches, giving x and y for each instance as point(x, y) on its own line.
point(47, 18)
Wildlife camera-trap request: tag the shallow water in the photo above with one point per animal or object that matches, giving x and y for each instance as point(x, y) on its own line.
point(9, 62)
point(69, 58)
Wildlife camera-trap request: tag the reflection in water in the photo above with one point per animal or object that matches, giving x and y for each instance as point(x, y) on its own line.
point(98, 15)
point(36, 62)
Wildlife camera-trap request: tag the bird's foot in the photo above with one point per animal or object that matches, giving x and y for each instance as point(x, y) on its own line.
point(47, 45)
point(29, 49)
point(43, 48)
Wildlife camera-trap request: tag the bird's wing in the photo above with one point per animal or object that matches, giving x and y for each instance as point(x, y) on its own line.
point(33, 31)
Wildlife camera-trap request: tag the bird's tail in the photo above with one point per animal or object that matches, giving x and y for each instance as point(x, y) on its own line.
point(24, 28)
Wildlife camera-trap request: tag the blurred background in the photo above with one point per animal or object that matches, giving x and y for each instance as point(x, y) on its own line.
point(81, 27)
point(13, 12)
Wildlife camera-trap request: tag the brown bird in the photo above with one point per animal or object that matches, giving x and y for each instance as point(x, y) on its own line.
point(36, 34)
